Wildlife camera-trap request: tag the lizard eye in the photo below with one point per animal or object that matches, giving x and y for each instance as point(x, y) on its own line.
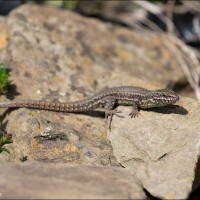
point(157, 95)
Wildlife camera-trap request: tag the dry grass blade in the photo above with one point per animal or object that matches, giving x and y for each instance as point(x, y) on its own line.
point(169, 11)
point(189, 61)
point(186, 55)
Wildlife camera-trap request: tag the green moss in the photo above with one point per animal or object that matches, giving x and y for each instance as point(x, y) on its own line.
point(4, 82)
point(65, 4)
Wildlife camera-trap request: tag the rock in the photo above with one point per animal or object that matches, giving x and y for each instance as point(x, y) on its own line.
point(161, 148)
point(54, 57)
point(65, 55)
point(42, 140)
point(56, 181)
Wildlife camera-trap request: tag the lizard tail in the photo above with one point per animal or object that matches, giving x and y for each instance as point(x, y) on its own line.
point(45, 105)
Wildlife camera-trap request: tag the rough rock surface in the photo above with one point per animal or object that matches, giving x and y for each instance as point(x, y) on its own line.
point(161, 147)
point(47, 141)
point(56, 181)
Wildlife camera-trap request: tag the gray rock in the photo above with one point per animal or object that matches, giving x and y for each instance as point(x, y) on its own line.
point(56, 181)
point(161, 147)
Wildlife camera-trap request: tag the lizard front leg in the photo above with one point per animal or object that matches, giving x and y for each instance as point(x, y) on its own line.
point(135, 111)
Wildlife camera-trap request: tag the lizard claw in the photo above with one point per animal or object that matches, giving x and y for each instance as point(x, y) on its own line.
point(134, 114)
point(111, 113)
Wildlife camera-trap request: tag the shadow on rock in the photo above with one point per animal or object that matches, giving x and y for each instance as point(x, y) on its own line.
point(12, 92)
point(195, 187)
point(92, 113)
point(7, 112)
point(175, 109)
point(3, 125)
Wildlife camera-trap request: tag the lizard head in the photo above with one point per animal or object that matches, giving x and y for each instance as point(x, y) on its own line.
point(159, 98)
point(163, 97)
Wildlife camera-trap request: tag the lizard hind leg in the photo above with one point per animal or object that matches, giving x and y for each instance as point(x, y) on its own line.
point(109, 103)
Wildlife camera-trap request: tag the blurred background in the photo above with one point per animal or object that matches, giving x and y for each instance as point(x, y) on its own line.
point(180, 17)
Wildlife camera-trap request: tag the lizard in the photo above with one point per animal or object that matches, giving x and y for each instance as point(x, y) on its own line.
point(107, 99)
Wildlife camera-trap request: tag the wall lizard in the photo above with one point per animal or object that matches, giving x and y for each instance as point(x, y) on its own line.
point(125, 95)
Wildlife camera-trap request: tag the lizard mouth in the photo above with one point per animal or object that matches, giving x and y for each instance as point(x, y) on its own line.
point(174, 98)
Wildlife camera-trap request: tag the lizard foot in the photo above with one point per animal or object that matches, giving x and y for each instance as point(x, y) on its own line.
point(134, 113)
point(111, 113)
